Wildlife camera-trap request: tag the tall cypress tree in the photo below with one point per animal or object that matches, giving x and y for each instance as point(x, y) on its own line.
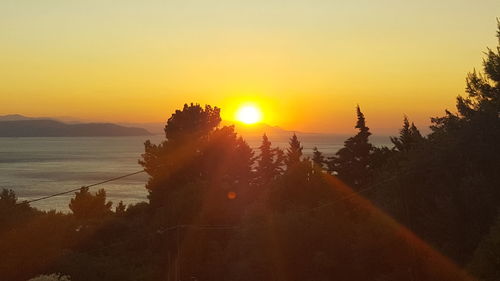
point(352, 162)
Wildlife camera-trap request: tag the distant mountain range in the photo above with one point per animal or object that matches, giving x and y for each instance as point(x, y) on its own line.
point(18, 117)
point(15, 125)
point(257, 130)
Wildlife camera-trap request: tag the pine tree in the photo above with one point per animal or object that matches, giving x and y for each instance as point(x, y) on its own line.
point(318, 158)
point(268, 162)
point(265, 161)
point(352, 162)
point(409, 136)
point(483, 89)
point(279, 160)
point(294, 152)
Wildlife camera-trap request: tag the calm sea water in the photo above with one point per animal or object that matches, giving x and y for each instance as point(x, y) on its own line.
point(35, 167)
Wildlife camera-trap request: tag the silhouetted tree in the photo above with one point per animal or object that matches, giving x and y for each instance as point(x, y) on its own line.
point(227, 157)
point(200, 174)
point(409, 137)
point(318, 158)
point(90, 206)
point(177, 161)
point(269, 162)
point(446, 188)
point(8, 197)
point(197, 160)
point(302, 184)
point(465, 145)
point(12, 211)
point(293, 152)
point(192, 122)
point(352, 162)
point(120, 208)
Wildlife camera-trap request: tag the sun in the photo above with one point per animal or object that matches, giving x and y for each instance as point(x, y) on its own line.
point(249, 114)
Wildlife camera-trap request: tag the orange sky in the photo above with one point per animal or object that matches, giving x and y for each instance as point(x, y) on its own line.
point(306, 63)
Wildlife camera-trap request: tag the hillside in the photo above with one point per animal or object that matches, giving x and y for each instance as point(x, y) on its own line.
point(52, 128)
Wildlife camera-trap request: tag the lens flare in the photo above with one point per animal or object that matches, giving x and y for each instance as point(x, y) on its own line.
point(231, 195)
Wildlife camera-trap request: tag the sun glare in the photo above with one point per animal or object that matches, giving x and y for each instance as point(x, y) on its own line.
point(249, 114)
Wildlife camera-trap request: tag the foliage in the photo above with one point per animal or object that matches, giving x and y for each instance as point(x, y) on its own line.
point(445, 186)
point(88, 206)
point(196, 155)
point(120, 208)
point(269, 162)
point(12, 212)
point(293, 152)
point(409, 137)
point(352, 162)
point(318, 158)
point(485, 263)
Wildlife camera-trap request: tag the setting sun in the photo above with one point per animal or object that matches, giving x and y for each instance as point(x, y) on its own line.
point(249, 114)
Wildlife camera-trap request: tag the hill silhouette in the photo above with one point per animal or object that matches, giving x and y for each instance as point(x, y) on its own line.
point(52, 128)
point(19, 117)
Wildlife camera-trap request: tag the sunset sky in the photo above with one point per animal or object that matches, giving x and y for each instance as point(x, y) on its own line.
point(306, 64)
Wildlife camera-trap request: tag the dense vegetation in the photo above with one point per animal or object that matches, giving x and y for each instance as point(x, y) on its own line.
point(424, 209)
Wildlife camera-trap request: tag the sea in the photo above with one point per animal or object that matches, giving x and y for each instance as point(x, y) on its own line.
point(42, 166)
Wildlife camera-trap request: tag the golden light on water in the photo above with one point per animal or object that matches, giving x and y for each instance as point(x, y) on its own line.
point(249, 114)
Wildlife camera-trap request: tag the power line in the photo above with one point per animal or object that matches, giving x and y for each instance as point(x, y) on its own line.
point(204, 226)
point(77, 189)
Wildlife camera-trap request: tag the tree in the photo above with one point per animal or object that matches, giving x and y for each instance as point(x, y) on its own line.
point(269, 162)
point(8, 197)
point(13, 212)
point(293, 152)
point(318, 158)
point(409, 137)
point(226, 157)
point(352, 162)
point(200, 174)
point(466, 147)
point(481, 106)
point(90, 206)
point(120, 208)
point(177, 161)
point(302, 184)
point(196, 167)
point(192, 122)
point(446, 188)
